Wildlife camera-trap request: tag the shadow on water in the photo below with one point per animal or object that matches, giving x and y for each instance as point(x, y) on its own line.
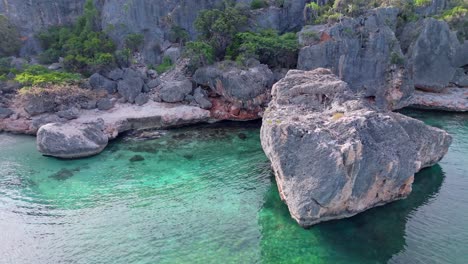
point(370, 237)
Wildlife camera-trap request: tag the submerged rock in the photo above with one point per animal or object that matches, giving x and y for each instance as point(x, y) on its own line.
point(71, 140)
point(137, 158)
point(62, 175)
point(334, 155)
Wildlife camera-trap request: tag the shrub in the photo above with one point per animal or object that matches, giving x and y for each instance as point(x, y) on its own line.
point(422, 2)
point(218, 27)
point(40, 76)
point(268, 47)
point(134, 41)
point(199, 53)
point(85, 48)
point(178, 34)
point(10, 42)
point(165, 65)
point(123, 56)
point(257, 4)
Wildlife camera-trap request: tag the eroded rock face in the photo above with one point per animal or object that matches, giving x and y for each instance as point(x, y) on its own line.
point(334, 155)
point(71, 140)
point(433, 53)
point(365, 53)
point(244, 90)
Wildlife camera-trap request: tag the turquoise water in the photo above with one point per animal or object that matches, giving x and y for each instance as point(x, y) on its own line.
point(206, 195)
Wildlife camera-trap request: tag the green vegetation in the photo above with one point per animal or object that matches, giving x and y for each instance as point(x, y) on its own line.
point(10, 39)
point(179, 34)
point(37, 75)
point(396, 59)
point(457, 19)
point(257, 4)
point(266, 46)
point(134, 41)
point(218, 27)
point(165, 65)
point(85, 48)
point(200, 54)
point(422, 2)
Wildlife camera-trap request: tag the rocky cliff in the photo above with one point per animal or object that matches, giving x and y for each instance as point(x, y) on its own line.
point(153, 19)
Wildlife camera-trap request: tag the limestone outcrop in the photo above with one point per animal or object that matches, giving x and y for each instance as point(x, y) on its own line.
point(241, 92)
point(334, 154)
point(365, 53)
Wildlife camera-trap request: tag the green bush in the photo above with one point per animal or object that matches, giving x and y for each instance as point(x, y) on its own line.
point(200, 54)
point(165, 65)
point(257, 4)
point(178, 34)
point(84, 47)
point(10, 42)
point(134, 41)
point(218, 27)
point(123, 56)
point(268, 47)
point(422, 2)
point(39, 76)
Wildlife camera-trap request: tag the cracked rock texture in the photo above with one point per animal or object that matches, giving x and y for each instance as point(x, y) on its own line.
point(334, 155)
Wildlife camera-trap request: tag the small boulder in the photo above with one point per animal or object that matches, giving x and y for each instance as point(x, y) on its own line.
point(154, 83)
point(115, 75)
point(175, 91)
point(131, 85)
point(69, 114)
point(55, 66)
point(104, 104)
point(201, 98)
point(99, 82)
point(70, 141)
point(137, 158)
point(142, 99)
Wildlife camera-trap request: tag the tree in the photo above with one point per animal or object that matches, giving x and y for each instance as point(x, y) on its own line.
point(218, 27)
point(10, 42)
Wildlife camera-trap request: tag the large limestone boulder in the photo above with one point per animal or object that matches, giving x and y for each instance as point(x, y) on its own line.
point(245, 89)
point(433, 52)
point(365, 53)
point(334, 155)
point(71, 140)
point(175, 91)
point(131, 85)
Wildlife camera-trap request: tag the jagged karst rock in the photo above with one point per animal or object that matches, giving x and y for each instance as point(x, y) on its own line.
point(175, 91)
point(432, 52)
point(99, 82)
point(244, 89)
point(200, 96)
point(115, 74)
point(70, 141)
point(39, 104)
point(334, 155)
point(131, 85)
point(365, 53)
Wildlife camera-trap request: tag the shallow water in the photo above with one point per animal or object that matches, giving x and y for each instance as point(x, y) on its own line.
point(206, 195)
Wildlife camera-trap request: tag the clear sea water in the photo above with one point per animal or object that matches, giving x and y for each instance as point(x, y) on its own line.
point(206, 195)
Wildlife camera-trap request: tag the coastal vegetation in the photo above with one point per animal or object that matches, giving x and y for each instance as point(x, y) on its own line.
point(84, 47)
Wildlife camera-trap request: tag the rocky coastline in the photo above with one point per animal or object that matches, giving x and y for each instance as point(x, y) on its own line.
point(335, 145)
